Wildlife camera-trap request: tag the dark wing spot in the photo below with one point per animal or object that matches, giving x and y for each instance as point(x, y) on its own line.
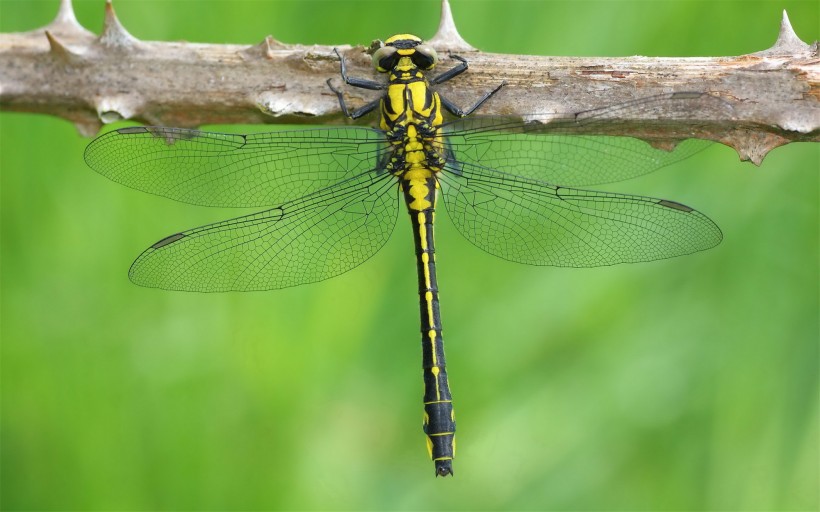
point(168, 240)
point(675, 206)
point(132, 129)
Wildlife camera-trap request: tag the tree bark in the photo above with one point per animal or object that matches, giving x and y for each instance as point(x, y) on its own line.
point(752, 103)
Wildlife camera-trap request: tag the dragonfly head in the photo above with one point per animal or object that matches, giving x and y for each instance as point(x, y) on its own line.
point(404, 51)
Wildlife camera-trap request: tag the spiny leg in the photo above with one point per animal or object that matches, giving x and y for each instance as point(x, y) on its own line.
point(453, 109)
point(359, 112)
point(357, 82)
point(451, 73)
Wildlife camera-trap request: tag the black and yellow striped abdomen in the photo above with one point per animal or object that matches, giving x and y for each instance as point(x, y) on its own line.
point(439, 419)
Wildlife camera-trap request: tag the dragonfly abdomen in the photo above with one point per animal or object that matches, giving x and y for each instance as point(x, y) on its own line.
point(439, 420)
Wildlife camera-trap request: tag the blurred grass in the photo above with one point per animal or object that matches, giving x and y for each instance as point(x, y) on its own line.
point(687, 384)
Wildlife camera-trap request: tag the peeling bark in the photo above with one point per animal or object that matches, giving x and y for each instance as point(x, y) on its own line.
point(752, 103)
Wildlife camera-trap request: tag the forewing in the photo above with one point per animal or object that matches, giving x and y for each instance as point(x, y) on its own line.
point(529, 221)
point(316, 237)
point(556, 148)
point(224, 169)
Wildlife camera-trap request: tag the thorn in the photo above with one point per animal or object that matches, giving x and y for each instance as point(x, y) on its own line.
point(787, 37)
point(60, 50)
point(447, 36)
point(664, 144)
point(787, 41)
point(265, 49)
point(65, 14)
point(752, 146)
point(114, 34)
point(116, 108)
point(110, 116)
point(88, 127)
point(66, 21)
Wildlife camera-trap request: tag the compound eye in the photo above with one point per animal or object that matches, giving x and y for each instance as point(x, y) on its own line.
point(425, 56)
point(385, 59)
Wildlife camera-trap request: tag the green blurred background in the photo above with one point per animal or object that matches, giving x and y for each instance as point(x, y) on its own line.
point(686, 384)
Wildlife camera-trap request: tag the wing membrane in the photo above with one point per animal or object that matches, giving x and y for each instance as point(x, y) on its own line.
point(317, 237)
point(559, 149)
point(529, 221)
point(234, 170)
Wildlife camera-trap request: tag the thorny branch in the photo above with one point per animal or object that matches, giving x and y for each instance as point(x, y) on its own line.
point(754, 102)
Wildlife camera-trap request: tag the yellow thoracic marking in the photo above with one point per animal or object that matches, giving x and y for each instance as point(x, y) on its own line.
point(418, 92)
point(444, 458)
point(438, 402)
point(418, 172)
point(395, 94)
point(430, 446)
point(415, 157)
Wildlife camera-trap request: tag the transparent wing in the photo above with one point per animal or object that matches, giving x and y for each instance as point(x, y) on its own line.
point(557, 151)
point(313, 238)
point(529, 221)
point(224, 169)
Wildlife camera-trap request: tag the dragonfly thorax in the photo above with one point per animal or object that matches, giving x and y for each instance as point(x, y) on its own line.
point(416, 151)
point(410, 113)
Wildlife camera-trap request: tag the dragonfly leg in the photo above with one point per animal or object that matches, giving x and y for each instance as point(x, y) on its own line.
point(451, 73)
point(357, 82)
point(359, 112)
point(453, 109)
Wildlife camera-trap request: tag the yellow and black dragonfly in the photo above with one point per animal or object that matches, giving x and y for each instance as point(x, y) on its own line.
point(331, 197)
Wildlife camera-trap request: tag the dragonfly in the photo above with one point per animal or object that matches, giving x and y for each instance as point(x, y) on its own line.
point(330, 197)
